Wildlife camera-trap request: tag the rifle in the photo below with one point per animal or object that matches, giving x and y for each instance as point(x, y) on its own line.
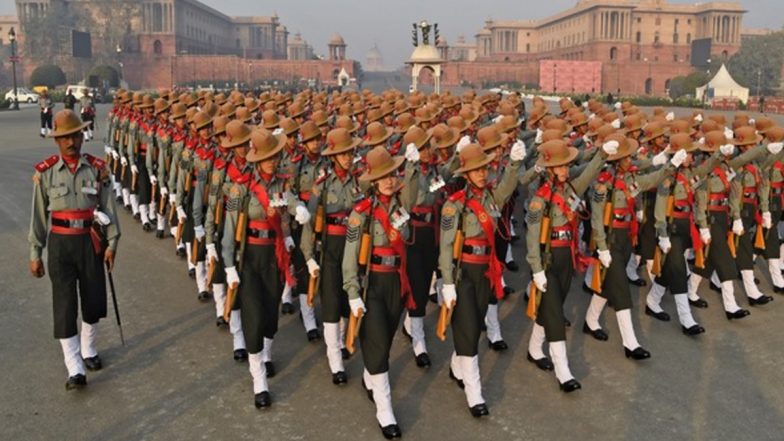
point(318, 228)
point(446, 311)
point(609, 214)
point(658, 259)
point(534, 296)
point(365, 251)
point(240, 234)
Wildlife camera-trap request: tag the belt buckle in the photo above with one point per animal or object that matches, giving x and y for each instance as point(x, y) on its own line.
point(78, 223)
point(478, 249)
point(388, 260)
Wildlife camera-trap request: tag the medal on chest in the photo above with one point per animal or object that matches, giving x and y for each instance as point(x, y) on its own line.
point(436, 183)
point(399, 218)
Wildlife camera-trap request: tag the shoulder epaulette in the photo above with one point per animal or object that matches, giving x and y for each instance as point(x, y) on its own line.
point(544, 191)
point(363, 206)
point(220, 164)
point(322, 176)
point(94, 161)
point(296, 158)
point(458, 196)
point(47, 163)
point(605, 177)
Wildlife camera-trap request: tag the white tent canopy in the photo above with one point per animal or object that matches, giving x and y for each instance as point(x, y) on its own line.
point(723, 86)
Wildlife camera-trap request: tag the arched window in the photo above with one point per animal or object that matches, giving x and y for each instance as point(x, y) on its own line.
point(157, 47)
point(649, 86)
point(613, 53)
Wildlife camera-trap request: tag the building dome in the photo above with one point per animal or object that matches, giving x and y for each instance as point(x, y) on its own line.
point(336, 40)
point(425, 54)
point(441, 42)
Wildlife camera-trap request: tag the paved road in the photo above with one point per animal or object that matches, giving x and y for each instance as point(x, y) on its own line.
point(175, 379)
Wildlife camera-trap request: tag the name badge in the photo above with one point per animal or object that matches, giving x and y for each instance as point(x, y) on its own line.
point(436, 183)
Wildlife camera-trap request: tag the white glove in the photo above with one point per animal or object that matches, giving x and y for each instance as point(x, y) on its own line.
point(102, 219)
point(752, 122)
point(449, 294)
point(727, 149)
point(115, 155)
point(617, 106)
point(134, 169)
point(313, 267)
point(669, 117)
point(605, 258)
point(698, 118)
point(640, 215)
point(107, 149)
point(153, 180)
point(616, 124)
point(737, 227)
point(289, 242)
point(678, 158)
point(164, 191)
point(775, 147)
point(518, 151)
point(540, 280)
point(705, 235)
point(303, 215)
point(497, 119)
point(199, 232)
point(412, 153)
point(181, 214)
point(767, 222)
point(660, 159)
point(611, 147)
point(124, 161)
point(277, 131)
point(172, 198)
point(539, 134)
point(539, 169)
point(212, 252)
point(728, 133)
point(357, 306)
point(665, 244)
point(232, 278)
point(464, 141)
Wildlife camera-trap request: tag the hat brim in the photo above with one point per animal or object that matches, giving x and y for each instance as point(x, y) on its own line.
point(159, 111)
point(377, 174)
point(254, 155)
point(628, 130)
point(235, 142)
point(330, 151)
point(375, 142)
point(71, 131)
point(270, 126)
point(204, 124)
point(654, 136)
point(467, 168)
point(757, 139)
point(313, 135)
point(448, 141)
point(573, 152)
point(503, 138)
point(631, 148)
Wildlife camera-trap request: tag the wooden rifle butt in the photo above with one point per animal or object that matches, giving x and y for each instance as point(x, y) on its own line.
point(312, 288)
point(532, 308)
point(231, 294)
point(545, 230)
point(364, 249)
point(352, 332)
point(211, 271)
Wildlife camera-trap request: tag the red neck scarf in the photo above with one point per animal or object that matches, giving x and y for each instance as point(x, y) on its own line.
point(72, 162)
point(341, 172)
point(396, 242)
point(282, 257)
point(494, 271)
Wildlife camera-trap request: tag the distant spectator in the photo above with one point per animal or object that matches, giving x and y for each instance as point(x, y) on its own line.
point(762, 104)
point(46, 105)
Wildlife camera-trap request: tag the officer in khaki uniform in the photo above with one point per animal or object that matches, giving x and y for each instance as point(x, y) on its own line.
point(75, 191)
point(382, 218)
point(333, 197)
point(773, 244)
point(161, 163)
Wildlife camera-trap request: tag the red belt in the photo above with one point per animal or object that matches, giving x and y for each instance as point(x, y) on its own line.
point(260, 225)
point(476, 258)
point(304, 196)
point(560, 243)
point(71, 215)
point(336, 224)
point(718, 206)
point(384, 252)
point(260, 241)
point(336, 230)
point(681, 215)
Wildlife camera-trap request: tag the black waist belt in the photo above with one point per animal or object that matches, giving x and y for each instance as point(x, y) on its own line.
point(261, 234)
point(385, 260)
point(72, 223)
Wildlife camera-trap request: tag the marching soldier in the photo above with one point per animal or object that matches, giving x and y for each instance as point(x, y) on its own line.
point(379, 222)
point(163, 164)
point(75, 191)
point(469, 263)
point(773, 246)
point(179, 117)
point(46, 106)
point(553, 253)
point(258, 264)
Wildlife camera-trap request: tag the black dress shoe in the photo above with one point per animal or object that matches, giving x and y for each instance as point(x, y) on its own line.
point(391, 431)
point(598, 334)
point(160, 234)
point(479, 410)
point(93, 363)
point(692, 331)
point(78, 381)
point(270, 369)
point(762, 300)
point(180, 252)
point(714, 287)
point(368, 391)
point(127, 207)
point(543, 363)
point(146, 227)
point(192, 273)
point(345, 354)
point(339, 378)
point(638, 282)
point(515, 239)
point(508, 291)
point(423, 360)
point(220, 321)
point(459, 382)
point(287, 308)
point(262, 400)
point(512, 266)
point(137, 217)
point(433, 298)
point(637, 354)
point(778, 290)
point(240, 355)
point(587, 288)
point(204, 296)
point(313, 335)
point(699, 303)
point(119, 200)
point(663, 316)
point(498, 346)
point(570, 386)
point(739, 314)
point(403, 330)
point(756, 281)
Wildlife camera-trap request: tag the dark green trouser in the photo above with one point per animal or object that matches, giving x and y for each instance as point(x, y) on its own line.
point(384, 307)
point(772, 242)
point(334, 300)
point(719, 258)
point(473, 296)
point(72, 260)
point(616, 285)
point(143, 187)
point(559, 279)
point(673, 273)
point(301, 274)
point(260, 291)
point(422, 260)
point(744, 256)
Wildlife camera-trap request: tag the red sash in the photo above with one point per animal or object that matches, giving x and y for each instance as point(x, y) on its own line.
point(719, 171)
point(494, 271)
point(579, 262)
point(236, 175)
point(696, 239)
point(396, 242)
point(634, 227)
point(282, 257)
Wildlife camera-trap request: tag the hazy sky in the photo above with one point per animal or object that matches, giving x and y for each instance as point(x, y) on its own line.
point(388, 23)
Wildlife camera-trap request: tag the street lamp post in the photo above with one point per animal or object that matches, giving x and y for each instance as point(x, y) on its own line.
point(118, 49)
point(12, 38)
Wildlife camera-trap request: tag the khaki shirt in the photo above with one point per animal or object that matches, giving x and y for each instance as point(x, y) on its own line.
point(672, 186)
point(337, 196)
point(57, 189)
